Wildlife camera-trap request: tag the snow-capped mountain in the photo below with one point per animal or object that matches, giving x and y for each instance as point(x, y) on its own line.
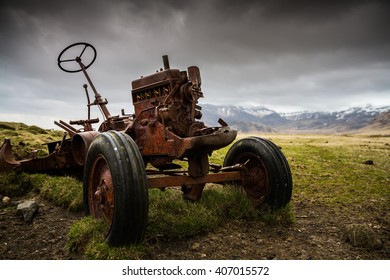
point(238, 114)
point(267, 120)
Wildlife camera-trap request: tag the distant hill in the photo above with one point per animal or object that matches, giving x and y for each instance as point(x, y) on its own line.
point(266, 120)
point(25, 138)
point(367, 119)
point(380, 123)
point(242, 118)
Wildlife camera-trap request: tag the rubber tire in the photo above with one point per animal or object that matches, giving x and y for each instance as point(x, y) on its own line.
point(278, 170)
point(129, 182)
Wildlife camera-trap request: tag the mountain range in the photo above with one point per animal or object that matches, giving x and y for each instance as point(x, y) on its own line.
point(248, 119)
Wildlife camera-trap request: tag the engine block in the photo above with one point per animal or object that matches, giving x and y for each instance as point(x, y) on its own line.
point(170, 97)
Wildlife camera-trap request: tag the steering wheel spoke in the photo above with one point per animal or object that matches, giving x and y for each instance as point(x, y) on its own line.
point(68, 60)
point(82, 51)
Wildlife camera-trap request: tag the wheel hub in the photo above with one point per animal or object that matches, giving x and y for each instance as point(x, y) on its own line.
point(255, 182)
point(102, 200)
point(101, 193)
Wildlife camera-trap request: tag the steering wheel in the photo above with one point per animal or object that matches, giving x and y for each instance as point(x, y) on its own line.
point(77, 48)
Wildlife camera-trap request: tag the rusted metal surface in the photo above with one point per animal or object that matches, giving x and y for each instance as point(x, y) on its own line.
point(167, 181)
point(101, 191)
point(60, 157)
point(166, 125)
point(255, 183)
point(7, 160)
point(80, 145)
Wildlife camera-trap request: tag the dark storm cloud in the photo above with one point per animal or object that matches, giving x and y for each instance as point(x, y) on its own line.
point(303, 54)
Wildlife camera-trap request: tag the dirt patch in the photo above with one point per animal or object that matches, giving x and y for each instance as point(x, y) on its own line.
point(44, 238)
point(318, 233)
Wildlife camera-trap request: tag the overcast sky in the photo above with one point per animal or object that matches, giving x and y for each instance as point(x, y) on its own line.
point(285, 55)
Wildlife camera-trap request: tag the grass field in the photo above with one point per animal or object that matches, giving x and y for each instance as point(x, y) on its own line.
point(339, 171)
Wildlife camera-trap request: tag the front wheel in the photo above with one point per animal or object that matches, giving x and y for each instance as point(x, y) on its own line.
point(268, 179)
point(115, 187)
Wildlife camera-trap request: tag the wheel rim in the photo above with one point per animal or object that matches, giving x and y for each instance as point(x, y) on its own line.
point(101, 191)
point(255, 183)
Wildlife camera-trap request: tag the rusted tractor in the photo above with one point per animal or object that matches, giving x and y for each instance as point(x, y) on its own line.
point(130, 153)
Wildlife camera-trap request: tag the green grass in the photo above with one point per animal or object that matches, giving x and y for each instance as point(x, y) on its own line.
point(86, 240)
point(15, 184)
point(25, 138)
point(170, 215)
point(170, 218)
point(332, 170)
point(63, 191)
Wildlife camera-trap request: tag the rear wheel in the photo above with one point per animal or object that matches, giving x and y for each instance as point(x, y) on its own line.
point(115, 188)
point(269, 177)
